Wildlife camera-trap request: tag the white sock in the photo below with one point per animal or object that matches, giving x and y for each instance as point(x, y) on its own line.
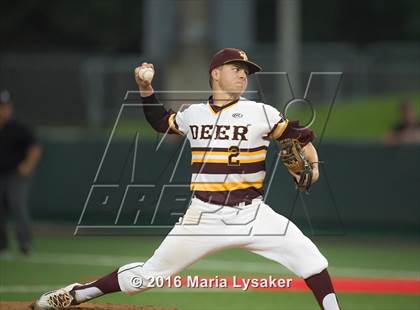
point(86, 294)
point(330, 302)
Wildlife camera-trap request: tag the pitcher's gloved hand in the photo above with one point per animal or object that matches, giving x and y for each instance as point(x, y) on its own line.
point(292, 157)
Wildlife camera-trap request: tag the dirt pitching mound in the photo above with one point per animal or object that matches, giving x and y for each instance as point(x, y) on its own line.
point(14, 305)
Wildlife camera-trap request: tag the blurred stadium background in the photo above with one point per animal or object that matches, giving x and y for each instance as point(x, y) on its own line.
point(68, 66)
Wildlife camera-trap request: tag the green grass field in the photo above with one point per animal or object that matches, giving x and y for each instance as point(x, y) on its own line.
point(60, 259)
point(362, 120)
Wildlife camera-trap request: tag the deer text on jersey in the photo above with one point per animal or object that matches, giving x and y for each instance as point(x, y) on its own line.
point(219, 132)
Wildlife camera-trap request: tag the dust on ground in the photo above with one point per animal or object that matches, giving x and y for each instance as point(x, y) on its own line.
point(18, 305)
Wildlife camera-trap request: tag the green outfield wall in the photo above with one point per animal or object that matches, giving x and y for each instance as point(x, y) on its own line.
point(361, 186)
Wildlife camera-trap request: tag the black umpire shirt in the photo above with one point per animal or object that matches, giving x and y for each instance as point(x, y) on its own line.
point(15, 139)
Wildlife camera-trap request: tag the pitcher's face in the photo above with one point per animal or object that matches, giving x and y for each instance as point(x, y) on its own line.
point(233, 78)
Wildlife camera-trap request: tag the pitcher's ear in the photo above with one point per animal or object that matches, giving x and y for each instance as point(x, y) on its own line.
point(215, 74)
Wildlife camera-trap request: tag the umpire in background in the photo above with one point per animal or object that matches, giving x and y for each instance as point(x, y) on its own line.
point(19, 155)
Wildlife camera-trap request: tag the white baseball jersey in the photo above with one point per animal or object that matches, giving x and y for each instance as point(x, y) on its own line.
point(229, 146)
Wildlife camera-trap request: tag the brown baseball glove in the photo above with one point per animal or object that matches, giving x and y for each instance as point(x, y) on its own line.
point(292, 157)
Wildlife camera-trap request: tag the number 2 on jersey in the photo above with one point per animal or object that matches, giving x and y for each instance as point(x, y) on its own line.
point(233, 153)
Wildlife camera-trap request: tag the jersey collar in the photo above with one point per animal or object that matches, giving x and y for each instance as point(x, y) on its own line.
point(216, 109)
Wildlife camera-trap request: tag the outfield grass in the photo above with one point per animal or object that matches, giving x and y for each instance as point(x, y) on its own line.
point(363, 120)
point(358, 120)
point(59, 260)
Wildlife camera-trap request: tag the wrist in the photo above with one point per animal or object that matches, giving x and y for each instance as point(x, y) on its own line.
point(315, 173)
point(146, 91)
point(314, 165)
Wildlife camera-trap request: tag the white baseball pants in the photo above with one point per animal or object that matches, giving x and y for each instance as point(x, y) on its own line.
point(207, 228)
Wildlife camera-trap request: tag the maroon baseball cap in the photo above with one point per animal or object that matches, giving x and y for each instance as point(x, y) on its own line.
point(228, 55)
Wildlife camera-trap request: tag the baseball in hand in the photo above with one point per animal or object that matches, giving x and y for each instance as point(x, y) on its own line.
point(146, 74)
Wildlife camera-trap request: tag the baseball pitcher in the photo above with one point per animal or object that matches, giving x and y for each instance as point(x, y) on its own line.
point(229, 137)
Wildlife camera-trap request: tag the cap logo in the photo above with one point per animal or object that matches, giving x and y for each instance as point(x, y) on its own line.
point(243, 55)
